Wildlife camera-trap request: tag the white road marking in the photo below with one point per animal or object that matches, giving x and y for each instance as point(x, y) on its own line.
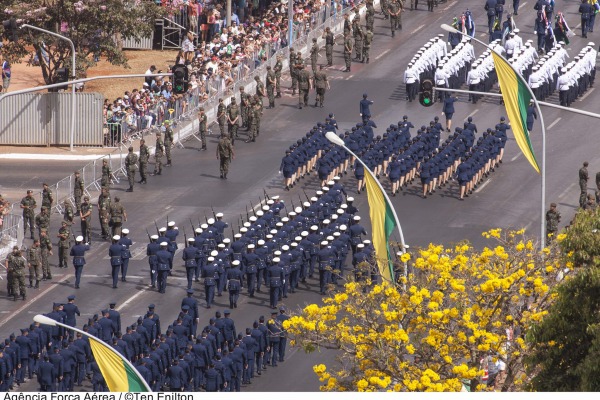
point(517, 156)
point(129, 300)
point(473, 113)
point(480, 188)
point(554, 123)
point(418, 29)
point(587, 94)
point(382, 54)
point(567, 190)
point(350, 77)
point(27, 304)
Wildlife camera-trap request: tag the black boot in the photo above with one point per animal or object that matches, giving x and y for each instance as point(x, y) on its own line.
point(30, 284)
point(130, 189)
point(37, 285)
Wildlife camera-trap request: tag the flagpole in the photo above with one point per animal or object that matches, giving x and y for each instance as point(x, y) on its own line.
point(42, 319)
point(448, 28)
point(335, 139)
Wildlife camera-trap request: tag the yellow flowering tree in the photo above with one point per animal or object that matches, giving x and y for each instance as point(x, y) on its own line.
point(458, 312)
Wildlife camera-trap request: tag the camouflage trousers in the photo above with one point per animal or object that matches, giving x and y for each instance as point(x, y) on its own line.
point(222, 126)
point(224, 165)
point(131, 176)
point(271, 95)
point(366, 50)
point(17, 283)
point(143, 166)
point(34, 272)
point(157, 163)
point(358, 46)
point(278, 83)
point(168, 151)
point(202, 133)
point(45, 265)
point(329, 53)
point(348, 59)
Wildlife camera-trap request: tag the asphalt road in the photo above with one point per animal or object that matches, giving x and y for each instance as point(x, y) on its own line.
point(510, 198)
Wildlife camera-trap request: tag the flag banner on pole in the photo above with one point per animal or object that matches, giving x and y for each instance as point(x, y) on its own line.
point(118, 375)
point(516, 99)
point(383, 224)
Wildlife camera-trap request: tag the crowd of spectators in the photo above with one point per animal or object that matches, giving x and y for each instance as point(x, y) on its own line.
point(216, 57)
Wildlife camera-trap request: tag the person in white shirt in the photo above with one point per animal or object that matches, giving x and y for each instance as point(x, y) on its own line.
point(411, 79)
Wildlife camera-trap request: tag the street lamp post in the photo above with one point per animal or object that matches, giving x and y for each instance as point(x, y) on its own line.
point(42, 319)
point(335, 139)
point(448, 28)
point(73, 75)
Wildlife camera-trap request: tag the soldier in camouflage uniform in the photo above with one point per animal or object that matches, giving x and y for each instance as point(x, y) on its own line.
point(224, 154)
point(130, 164)
point(222, 117)
point(143, 161)
point(42, 220)
point(370, 15)
point(270, 83)
point(202, 121)
point(78, 188)
point(158, 154)
point(64, 243)
point(233, 119)
point(45, 251)
point(329, 42)
point(86, 220)
point(28, 204)
point(367, 45)
point(35, 262)
point(47, 197)
point(358, 41)
point(245, 106)
point(103, 212)
point(117, 216)
point(16, 264)
point(254, 121)
point(348, 51)
point(293, 70)
point(168, 142)
point(277, 69)
point(321, 84)
point(304, 86)
point(259, 102)
point(314, 55)
point(384, 8)
point(106, 174)
point(552, 221)
point(68, 213)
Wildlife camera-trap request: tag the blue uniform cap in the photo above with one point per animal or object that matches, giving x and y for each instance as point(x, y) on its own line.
point(185, 307)
point(190, 291)
point(151, 306)
point(227, 312)
point(71, 297)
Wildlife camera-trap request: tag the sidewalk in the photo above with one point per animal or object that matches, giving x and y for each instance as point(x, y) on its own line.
point(52, 153)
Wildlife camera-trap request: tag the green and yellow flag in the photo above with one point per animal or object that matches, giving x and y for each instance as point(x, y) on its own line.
point(119, 376)
point(383, 224)
point(516, 99)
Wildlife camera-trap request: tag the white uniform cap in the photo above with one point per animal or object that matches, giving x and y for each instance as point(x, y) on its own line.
point(336, 234)
point(292, 214)
point(319, 193)
point(591, 44)
point(261, 242)
point(285, 219)
point(344, 206)
point(79, 239)
point(237, 235)
point(279, 224)
point(191, 240)
point(334, 217)
point(343, 227)
point(324, 243)
point(298, 238)
point(293, 244)
point(214, 253)
point(269, 236)
point(516, 30)
point(171, 223)
point(125, 231)
point(244, 230)
point(360, 245)
point(313, 199)
point(306, 204)
point(330, 238)
point(260, 213)
point(154, 237)
point(314, 228)
point(285, 247)
point(277, 252)
point(339, 211)
point(356, 218)
point(366, 241)
point(204, 226)
point(163, 244)
point(211, 221)
point(326, 221)
point(275, 197)
point(563, 69)
point(270, 202)
point(250, 246)
point(336, 178)
point(235, 262)
point(247, 224)
point(253, 218)
point(298, 209)
point(210, 259)
point(226, 240)
point(219, 215)
point(276, 260)
point(273, 231)
point(198, 230)
point(304, 234)
point(163, 229)
point(221, 245)
point(349, 199)
point(265, 208)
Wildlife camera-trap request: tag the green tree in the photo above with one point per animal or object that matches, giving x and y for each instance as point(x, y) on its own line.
point(566, 343)
point(94, 26)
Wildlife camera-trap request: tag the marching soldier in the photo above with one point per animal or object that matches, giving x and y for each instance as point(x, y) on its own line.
point(15, 263)
point(106, 174)
point(221, 117)
point(552, 221)
point(370, 15)
point(348, 51)
point(293, 70)
point(163, 257)
point(28, 204)
point(367, 45)
point(583, 179)
point(233, 118)
point(321, 84)
point(68, 213)
point(47, 197)
point(358, 42)
point(329, 42)
point(130, 163)
point(158, 154)
point(260, 88)
point(394, 11)
point(78, 188)
point(35, 262)
point(64, 242)
point(45, 250)
point(314, 55)
point(126, 243)
point(169, 137)
point(225, 154)
point(202, 122)
point(275, 277)
point(117, 216)
point(277, 69)
point(114, 252)
point(86, 219)
point(143, 160)
point(255, 114)
point(42, 220)
point(103, 212)
point(271, 80)
point(303, 85)
point(245, 105)
point(78, 254)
